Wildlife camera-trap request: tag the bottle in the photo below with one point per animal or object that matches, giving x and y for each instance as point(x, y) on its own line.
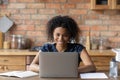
point(19, 41)
point(113, 72)
point(13, 42)
point(101, 44)
point(82, 40)
point(88, 41)
point(6, 43)
point(94, 43)
point(24, 43)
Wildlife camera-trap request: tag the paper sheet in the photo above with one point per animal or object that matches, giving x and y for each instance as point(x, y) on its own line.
point(117, 56)
point(93, 75)
point(20, 74)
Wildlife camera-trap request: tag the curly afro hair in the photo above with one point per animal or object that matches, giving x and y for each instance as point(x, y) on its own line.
point(65, 22)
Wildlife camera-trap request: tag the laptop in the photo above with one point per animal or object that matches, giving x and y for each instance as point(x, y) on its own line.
point(58, 64)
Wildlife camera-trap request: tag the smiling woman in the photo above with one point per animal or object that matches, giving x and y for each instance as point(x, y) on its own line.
point(61, 31)
point(61, 38)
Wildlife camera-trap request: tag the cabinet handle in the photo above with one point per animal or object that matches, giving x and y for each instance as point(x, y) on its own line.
point(1, 67)
point(5, 60)
point(5, 68)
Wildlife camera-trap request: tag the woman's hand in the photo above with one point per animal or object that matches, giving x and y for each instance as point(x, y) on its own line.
point(88, 63)
point(34, 66)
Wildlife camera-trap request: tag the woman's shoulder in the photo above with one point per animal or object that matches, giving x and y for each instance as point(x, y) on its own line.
point(47, 46)
point(75, 45)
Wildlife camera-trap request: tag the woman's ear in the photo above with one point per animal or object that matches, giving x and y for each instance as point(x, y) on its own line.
point(72, 40)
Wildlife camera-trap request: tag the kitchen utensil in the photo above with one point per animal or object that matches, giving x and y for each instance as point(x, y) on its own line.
point(5, 24)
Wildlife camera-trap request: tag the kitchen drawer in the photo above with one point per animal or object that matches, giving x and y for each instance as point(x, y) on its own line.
point(4, 68)
point(102, 59)
point(102, 68)
point(101, 62)
point(12, 60)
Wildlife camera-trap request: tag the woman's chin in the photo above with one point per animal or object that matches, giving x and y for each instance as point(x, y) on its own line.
point(60, 44)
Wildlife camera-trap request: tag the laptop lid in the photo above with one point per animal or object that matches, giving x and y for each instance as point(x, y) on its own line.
point(58, 64)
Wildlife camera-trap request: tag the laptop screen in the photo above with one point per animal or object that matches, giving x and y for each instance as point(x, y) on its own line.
point(58, 64)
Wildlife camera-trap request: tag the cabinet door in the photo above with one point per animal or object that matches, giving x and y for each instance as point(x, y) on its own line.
point(101, 4)
point(102, 63)
point(5, 68)
point(116, 4)
point(9, 63)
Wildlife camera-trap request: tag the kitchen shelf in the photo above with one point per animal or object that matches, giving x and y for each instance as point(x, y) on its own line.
point(105, 4)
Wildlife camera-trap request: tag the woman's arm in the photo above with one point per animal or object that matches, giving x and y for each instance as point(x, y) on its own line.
point(34, 66)
point(88, 64)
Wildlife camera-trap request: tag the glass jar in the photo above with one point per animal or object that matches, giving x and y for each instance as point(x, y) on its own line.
point(13, 42)
point(94, 43)
point(102, 44)
point(19, 40)
point(82, 40)
point(23, 43)
point(6, 45)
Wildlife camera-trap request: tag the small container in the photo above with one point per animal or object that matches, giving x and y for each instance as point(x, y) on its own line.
point(102, 44)
point(24, 43)
point(94, 43)
point(6, 45)
point(82, 40)
point(13, 42)
point(113, 68)
point(19, 41)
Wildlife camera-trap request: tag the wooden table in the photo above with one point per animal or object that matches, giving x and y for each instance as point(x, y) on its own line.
point(38, 78)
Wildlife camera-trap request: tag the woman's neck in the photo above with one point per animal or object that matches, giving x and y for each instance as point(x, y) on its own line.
point(61, 48)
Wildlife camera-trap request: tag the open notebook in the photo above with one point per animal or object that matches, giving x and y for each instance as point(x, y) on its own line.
point(19, 74)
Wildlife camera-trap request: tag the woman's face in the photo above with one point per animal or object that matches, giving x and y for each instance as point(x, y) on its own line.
point(61, 36)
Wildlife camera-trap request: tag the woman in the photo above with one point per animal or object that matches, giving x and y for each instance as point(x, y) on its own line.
point(63, 30)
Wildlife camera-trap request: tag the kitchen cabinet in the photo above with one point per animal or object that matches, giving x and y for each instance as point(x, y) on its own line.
point(101, 59)
point(8, 63)
point(11, 59)
point(105, 4)
point(116, 4)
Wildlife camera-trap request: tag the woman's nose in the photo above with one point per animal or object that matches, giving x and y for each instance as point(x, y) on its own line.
point(61, 37)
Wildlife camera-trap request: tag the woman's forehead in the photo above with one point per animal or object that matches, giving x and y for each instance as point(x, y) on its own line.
point(61, 29)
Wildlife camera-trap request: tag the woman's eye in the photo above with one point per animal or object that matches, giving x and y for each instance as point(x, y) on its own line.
point(65, 35)
point(58, 34)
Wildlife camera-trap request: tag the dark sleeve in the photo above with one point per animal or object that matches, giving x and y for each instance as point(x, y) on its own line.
point(45, 48)
point(79, 48)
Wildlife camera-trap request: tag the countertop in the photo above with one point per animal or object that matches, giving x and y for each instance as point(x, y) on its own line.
point(30, 53)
